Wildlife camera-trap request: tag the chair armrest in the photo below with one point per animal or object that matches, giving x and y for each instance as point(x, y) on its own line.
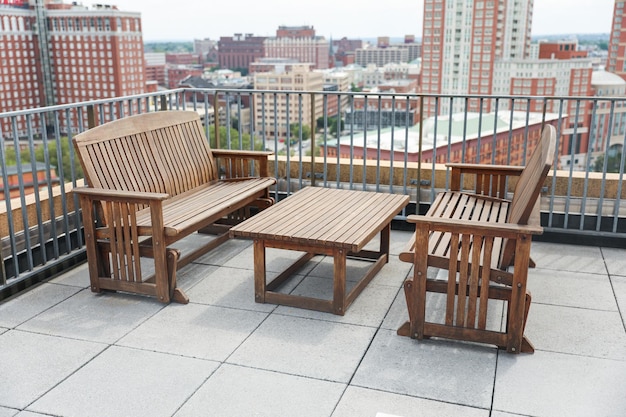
point(236, 163)
point(489, 179)
point(505, 230)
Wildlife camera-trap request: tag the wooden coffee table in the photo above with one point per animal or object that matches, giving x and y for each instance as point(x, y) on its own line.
point(321, 221)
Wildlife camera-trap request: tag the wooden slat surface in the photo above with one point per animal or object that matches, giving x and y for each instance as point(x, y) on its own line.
point(325, 217)
point(188, 209)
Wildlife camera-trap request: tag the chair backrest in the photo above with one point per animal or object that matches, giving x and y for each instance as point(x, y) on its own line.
point(533, 176)
point(528, 187)
point(165, 152)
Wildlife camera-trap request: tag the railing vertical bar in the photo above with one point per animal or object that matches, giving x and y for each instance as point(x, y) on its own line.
point(74, 174)
point(10, 217)
point(300, 167)
point(494, 145)
point(313, 144)
point(392, 147)
point(449, 140)
point(20, 176)
point(405, 180)
point(555, 164)
point(526, 125)
point(325, 163)
point(36, 193)
point(352, 187)
point(464, 140)
point(609, 135)
point(46, 147)
point(620, 183)
point(288, 141)
point(338, 129)
point(480, 129)
point(62, 175)
point(434, 164)
point(364, 185)
point(378, 143)
point(583, 208)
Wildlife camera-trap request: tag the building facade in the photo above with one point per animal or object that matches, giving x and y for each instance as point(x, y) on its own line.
point(239, 51)
point(65, 53)
point(300, 43)
point(273, 113)
point(462, 40)
point(616, 61)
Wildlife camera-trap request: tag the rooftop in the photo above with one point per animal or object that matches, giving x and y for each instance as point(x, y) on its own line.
point(67, 351)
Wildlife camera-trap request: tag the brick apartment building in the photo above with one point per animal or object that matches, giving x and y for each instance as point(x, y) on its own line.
point(239, 51)
point(57, 53)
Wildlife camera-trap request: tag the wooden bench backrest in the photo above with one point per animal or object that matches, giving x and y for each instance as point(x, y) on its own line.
point(528, 187)
point(164, 152)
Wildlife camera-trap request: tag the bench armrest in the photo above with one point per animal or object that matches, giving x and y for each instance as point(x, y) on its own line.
point(120, 195)
point(236, 163)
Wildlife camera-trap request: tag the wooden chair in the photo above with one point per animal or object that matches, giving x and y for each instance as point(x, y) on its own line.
point(476, 237)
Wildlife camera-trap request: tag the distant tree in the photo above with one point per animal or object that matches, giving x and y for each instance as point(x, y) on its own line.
point(53, 158)
point(332, 124)
point(294, 132)
point(613, 162)
point(355, 89)
point(235, 142)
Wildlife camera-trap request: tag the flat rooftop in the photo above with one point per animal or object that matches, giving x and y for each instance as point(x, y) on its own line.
point(66, 351)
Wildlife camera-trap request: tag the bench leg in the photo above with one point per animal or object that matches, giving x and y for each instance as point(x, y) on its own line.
point(339, 282)
point(176, 294)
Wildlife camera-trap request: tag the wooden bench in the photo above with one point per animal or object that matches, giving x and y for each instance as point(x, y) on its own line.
point(476, 237)
point(153, 180)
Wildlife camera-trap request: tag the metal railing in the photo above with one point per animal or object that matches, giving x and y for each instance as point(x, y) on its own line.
point(323, 139)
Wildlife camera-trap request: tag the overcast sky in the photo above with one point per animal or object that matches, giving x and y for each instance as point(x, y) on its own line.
point(198, 19)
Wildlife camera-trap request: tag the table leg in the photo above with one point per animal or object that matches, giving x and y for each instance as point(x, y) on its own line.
point(259, 270)
point(339, 281)
point(384, 240)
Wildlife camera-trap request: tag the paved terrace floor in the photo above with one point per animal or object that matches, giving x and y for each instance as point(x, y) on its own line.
point(65, 351)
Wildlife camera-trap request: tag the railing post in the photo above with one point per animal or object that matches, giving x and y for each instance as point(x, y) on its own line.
point(419, 157)
point(313, 127)
point(163, 102)
point(91, 116)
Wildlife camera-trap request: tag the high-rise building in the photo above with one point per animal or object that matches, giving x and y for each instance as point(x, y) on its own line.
point(301, 43)
point(616, 62)
point(461, 41)
point(57, 53)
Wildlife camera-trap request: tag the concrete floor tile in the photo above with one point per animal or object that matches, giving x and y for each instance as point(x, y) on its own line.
point(101, 317)
point(366, 402)
point(127, 382)
point(619, 288)
point(572, 289)
point(33, 364)
point(305, 347)
point(75, 277)
point(555, 384)
point(453, 372)
point(276, 260)
point(503, 414)
point(195, 330)
point(20, 309)
point(398, 241)
point(573, 258)
point(369, 308)
point(615, 260)
point(229, 287)
point(355, 269)
point(393, 274)
point(576, 331)
point(234, 391)
point(30, 414)
point(224, 252)
point(191, 275)
point(8, 412)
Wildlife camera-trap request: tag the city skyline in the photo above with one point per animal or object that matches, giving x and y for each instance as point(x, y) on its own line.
point(197, 20)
